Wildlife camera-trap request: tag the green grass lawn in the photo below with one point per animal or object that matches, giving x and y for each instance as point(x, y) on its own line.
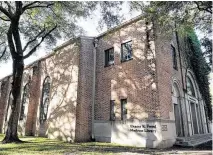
point(44, 146)
point(38, 145)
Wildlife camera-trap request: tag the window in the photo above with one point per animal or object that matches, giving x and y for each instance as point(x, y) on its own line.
point(45, 100)
point(112, 110)
point(36, 68)
point(174, 58)
point(126, 51)
point(123, 109)
point(109, 57)
point(190, 88)
point(25, 100)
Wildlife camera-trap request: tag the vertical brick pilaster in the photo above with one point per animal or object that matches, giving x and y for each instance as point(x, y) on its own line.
point(3, 100)
point(33, 101)
point(84, 102)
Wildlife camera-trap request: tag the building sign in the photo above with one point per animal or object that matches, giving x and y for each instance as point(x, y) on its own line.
point(143, 128)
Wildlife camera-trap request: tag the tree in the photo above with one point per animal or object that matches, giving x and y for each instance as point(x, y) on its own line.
point(184, 13)
point(34, 23)
point(207, 44)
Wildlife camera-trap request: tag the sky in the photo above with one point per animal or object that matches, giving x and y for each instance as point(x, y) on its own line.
point(89, 25)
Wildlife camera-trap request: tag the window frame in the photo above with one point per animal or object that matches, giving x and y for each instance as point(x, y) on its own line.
point(25, 96)
point(107, 61)
point(122, 52)
point(46, 83)
point(112, 110)
point(123, 111)
point(190, 87)
point(174, 58)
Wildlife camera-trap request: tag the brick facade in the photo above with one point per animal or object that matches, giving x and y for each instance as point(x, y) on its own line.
point(134, 79)
point(3, 100)
point(84, 101)
point(146, 81)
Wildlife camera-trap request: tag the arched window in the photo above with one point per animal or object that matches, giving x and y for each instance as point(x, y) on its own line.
point(190, 87)
point(45, 100)
point(25, 100)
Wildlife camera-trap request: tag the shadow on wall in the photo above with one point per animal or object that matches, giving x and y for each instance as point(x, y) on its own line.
point(25, 96)
point(62, 68)
point(134, 80)
point(5, 83)
point(124, 133)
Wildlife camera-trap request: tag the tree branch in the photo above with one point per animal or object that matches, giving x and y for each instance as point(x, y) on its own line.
point(5, 49)
point(2, 18)
point(207, 9)
point(3, 10)
point(38, 6)
point(19, 9)
point(34, 39)
point(9, 7)
point(30, 4)
point(10, 42)
point(35, 47)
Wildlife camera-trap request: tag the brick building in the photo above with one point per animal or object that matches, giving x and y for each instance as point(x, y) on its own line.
point(130, 85)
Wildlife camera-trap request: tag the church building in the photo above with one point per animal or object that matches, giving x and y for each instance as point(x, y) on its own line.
point(129, 85)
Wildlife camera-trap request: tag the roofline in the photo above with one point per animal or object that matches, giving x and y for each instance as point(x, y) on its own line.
point(120, 26)
point(79, 37)
point(48, 55)
point(5, 77)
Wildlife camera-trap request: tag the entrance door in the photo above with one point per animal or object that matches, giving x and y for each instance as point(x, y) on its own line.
point(194, 118)
point(177, 120)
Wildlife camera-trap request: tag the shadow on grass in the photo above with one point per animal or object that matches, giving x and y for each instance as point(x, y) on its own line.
point(36, 145)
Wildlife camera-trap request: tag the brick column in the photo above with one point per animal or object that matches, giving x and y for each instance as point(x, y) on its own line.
point(84, 101)
point(33, 101)
point(3, 100)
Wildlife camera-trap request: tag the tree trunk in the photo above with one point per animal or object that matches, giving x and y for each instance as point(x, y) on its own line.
point(11, 133)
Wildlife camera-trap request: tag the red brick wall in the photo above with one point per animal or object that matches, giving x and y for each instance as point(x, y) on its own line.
point(164, 72)
point(4, 91)
point(62, 68)
point(146, 82)
point(134, 79)
point(34, 100)
point(84, 103)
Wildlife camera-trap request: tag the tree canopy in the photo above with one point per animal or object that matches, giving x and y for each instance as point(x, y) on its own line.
point(24, 26)
point(48, 21)
point(184, 13)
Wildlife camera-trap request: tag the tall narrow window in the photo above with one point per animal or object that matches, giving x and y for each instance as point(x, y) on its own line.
point(190, 87)
point(109, 57)
point(112, 110)
point(35, 70)
point(123, 109)
point(25, 100)
point(45, 100)
point(174, 58)
point(126, 51)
